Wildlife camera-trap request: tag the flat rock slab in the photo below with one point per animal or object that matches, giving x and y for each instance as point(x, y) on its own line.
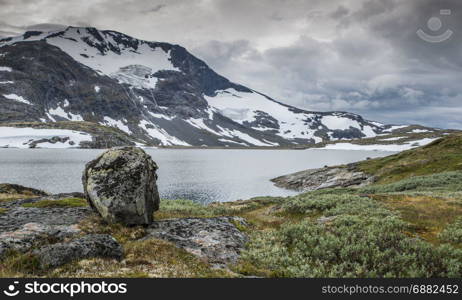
point(89, 246)
point(16, 215)
point(329, 177)
point(215, 240)
point(21, 228)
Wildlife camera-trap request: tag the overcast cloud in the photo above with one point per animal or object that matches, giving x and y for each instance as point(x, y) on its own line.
point(361, 56)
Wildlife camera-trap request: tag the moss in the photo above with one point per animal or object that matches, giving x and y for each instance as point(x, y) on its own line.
point(68, 202)
point(3, 210)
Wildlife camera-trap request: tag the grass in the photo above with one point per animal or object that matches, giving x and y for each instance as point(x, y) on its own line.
point(427, 215)
point(149, 258)
point(188, 209)
point(67, 202)
point(442, 155)
point(17, 264)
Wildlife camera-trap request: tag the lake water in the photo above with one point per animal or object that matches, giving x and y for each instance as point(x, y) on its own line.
point(203, 175)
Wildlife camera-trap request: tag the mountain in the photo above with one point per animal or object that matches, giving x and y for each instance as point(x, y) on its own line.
point(157, 93)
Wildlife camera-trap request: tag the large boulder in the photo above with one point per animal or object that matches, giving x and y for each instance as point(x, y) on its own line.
point(121, 186)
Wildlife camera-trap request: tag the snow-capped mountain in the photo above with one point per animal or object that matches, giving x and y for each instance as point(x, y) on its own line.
point(156, 92)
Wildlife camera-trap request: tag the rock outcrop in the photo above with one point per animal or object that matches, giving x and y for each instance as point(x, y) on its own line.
point(46, 231)
point(216, 240)
point(89, 246)
point(23, 228)
point(121, 186)
point(7, 188)
point(328, 177)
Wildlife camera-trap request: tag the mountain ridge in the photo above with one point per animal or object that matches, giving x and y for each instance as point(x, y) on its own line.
point(156, 92)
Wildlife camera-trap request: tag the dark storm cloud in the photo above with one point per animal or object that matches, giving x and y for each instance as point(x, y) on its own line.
point(362, 56)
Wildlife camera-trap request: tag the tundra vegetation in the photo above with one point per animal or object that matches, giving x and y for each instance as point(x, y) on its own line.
point(407, 224)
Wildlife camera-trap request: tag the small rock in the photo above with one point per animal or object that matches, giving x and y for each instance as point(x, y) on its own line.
point(89, 246)
point(325, 220)
point(121, 186)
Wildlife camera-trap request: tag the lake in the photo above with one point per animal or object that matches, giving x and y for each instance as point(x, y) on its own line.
point(203, 175)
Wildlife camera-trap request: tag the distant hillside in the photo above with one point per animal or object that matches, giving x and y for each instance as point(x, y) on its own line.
point(442, 155)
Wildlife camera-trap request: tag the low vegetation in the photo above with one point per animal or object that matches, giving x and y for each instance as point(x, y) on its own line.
point(442, 155)
point(67, 202)
point(408, 224)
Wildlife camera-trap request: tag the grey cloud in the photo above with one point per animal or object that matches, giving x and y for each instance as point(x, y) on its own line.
point(361, 56)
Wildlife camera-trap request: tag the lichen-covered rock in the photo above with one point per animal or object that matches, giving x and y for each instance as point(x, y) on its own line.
point(328, 177)
point(121, 186)
point(30, 234)
point(216, 240)
point(89, 246)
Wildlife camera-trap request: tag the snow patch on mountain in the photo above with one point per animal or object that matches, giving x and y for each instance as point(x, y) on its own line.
point(17, 98)
point(160, 116)
point(117, 123)
point(110, 61)
point(163, 136)
point(383, 147)
point(136, 76)
point(12, 137)
point(5, 69)
point(60, 112)
point(244, 108)
point(199, 123)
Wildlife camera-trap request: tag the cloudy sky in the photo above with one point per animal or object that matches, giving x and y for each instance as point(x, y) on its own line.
point(361, 56)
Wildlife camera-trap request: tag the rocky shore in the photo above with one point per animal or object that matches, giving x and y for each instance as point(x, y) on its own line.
point(327, 177)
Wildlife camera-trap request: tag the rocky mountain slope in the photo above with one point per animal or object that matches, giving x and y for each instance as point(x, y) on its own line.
point(155, 92)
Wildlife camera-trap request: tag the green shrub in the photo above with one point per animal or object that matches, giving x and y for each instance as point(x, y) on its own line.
point(351, 246)
point(453, 232)
point(187, 208)
point(331, 204)
point(447, 180)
